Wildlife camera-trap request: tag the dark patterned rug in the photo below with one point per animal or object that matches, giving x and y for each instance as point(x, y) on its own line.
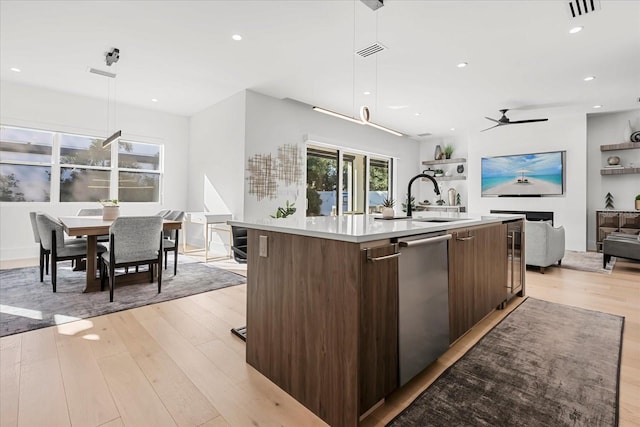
point(27, 304)
point(545, 364)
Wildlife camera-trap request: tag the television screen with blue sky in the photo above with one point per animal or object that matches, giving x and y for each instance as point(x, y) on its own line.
point(539, 174)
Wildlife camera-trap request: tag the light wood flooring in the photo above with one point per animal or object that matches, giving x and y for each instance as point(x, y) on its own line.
point(176, 363)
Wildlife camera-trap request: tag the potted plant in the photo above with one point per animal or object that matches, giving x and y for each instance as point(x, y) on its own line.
point(110, 209)
point(448, 151)
point(638, 202)
point(286, 211)
point(438, 172)
point(387, 208)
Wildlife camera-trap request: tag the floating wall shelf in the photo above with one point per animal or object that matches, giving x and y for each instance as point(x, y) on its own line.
point(447, 178)
point(443, 162)
point(623, 146)
point(621, 171)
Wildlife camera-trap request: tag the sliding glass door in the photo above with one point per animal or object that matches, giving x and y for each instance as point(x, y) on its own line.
point(365, 181)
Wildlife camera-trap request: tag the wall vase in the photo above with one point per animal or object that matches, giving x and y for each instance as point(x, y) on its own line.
point(452, 196)
point(437, 155)
point(109, 213)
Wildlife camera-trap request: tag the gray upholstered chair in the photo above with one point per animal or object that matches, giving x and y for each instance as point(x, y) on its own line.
point(53, 242)
point(170, 242)
point(620, 245)
point(544, 244)
point(133, 241)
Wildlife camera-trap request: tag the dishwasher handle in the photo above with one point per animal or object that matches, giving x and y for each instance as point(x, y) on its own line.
point(427, 241)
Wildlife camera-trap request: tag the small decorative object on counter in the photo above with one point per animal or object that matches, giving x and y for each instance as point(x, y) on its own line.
point(286, 211)
point(458, 200)
point(448, 151)
point(638, 202)
point(437, 155)
point(387, 208)
point(613, 160)
point(608, 200)
point(110, 209)
point(452, 196)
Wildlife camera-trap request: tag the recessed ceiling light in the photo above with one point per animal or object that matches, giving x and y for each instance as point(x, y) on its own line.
point(597, 106)
point(154, 100)
point(589, 78)
point(417, 114)
point(452, 129)
point(397, 107)
point(236, 37)
point(462, 65)
point(575, 30)
point(16, 70)
point(366, 92)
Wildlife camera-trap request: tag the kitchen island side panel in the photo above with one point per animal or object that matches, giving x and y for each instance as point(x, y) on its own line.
point(302, 320)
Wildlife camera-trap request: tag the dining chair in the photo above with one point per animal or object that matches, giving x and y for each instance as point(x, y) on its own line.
point(93, 212)
point(44, 254)
point(52, 240)
point(170, 241)
point(133, 241)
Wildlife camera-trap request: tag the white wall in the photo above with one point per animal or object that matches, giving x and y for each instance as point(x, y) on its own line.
point(606, 129)
point(39, 108)
point(568, 133)
point(272, 123)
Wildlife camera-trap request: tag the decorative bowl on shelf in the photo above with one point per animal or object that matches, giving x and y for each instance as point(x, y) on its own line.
point(613, 160)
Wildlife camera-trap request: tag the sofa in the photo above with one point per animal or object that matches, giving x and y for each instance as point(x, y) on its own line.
point(544, 244)
point(620, 245)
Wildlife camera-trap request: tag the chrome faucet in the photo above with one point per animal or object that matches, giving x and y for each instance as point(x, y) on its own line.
point(421, 175)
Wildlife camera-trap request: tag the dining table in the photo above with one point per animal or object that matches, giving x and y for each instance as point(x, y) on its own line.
point(94, 226)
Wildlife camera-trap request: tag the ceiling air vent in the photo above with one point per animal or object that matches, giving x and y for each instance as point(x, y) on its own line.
point(371, 50)
point(582, 7)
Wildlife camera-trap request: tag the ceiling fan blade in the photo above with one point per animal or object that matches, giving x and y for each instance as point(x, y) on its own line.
point(528, 121)
point(493, 120)
point(499, 124)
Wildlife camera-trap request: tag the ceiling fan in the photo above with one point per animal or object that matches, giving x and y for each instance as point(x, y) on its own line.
point(504, 120)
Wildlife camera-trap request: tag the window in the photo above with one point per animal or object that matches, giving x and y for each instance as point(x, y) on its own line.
point(365, 181)
point(86, 172)
point(85, 169)
point(25, 165)
point(139, 172)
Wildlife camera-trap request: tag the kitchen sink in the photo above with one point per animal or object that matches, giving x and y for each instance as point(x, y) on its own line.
point(438, 219)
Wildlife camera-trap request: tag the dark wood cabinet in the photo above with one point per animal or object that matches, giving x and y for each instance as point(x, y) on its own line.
point(477, 275)
point(322, 321)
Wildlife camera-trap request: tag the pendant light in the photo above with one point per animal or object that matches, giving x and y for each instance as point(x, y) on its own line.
point(364, 118)
point(111, 58)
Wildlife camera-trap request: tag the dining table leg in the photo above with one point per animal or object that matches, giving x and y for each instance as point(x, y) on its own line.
point(93, 283)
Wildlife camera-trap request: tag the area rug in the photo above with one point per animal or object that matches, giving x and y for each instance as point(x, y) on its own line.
point(26, 303)
point(586, 261)
point(544, 364)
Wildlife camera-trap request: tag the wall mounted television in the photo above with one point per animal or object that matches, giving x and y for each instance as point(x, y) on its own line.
point(536, 174)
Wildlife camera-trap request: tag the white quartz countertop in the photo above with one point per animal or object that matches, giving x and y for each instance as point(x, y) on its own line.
point(365, 228)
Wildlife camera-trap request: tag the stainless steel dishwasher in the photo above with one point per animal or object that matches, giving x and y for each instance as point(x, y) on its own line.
point(423, 302)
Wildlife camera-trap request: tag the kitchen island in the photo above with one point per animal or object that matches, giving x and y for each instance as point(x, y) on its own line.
point(323, 304)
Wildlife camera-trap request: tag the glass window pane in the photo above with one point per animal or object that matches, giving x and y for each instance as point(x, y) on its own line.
point(83, 150)
point(25, 145)
point(138, 187)
point(322, 182)
point(25, 183)
point(378, 183)
point(135, 155)
point(83, 185)
point(353, 183)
